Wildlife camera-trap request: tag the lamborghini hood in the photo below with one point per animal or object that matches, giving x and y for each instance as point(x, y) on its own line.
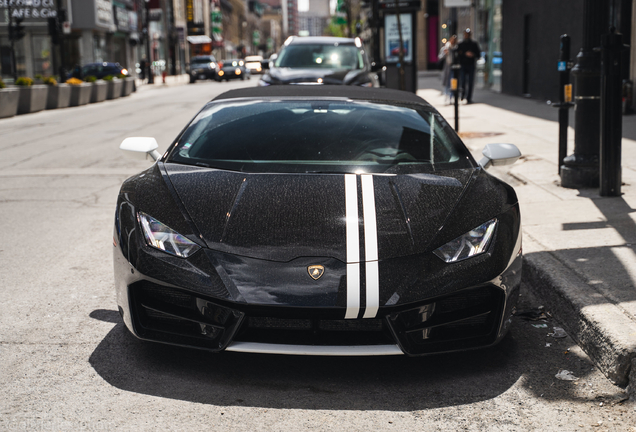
point(281, 217)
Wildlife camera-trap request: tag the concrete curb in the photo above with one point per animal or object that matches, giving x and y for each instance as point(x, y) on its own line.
point(604, 332)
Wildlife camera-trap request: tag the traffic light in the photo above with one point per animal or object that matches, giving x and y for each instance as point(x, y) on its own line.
point(17, 30)
point(54, 30)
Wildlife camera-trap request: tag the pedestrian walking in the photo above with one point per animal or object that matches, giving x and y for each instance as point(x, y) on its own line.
point(469, 53)
point(445, 55)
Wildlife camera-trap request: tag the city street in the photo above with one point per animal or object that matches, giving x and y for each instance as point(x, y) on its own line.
point(67, 362)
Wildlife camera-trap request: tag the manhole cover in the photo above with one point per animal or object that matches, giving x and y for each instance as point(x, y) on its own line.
point(469, 135)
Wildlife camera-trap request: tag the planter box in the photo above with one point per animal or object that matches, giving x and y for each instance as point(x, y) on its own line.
point(9, 102)
point(114, 89)
point(81, 94)
point(98, 94)
point(32, 99)
point(59, 96)
point(128, 87)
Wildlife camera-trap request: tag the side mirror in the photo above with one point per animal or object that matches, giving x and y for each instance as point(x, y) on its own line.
point(141, 146)
point(264, 64)
point(499, 154)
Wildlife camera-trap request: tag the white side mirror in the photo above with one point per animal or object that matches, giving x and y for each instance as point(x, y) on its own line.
point(499, 154)
point(141, 146)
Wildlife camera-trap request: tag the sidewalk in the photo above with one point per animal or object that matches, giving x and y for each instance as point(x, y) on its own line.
point(579, 248)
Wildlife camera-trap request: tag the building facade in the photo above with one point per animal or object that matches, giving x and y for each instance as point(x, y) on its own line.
point(34, 53)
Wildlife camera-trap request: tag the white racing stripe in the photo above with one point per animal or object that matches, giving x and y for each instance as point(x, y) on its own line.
point(370, 247)
point(353, 247)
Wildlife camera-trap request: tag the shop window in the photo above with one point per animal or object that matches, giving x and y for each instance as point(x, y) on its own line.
point(42, 60)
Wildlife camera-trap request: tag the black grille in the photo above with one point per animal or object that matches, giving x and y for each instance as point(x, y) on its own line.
point(315, 331)
point(170, 315)
point(463, 320)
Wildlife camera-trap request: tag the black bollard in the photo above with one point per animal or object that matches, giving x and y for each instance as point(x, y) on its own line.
point(565, 98)
point(611, 114)
point(455, 68)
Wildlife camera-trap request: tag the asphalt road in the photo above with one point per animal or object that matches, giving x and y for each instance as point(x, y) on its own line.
point(68, 363)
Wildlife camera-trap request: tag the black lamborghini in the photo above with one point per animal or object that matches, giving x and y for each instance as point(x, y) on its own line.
point(324, 220)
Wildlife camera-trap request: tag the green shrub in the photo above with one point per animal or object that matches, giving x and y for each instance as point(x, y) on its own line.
point(108, 78)
point(90, 78)
point(49, 81)
point(2, 84)
point(39, 77)
point(121, 76)
point(24, 81)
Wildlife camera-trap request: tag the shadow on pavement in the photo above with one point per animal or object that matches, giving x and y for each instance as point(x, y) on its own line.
point(607, 266)
point(527, 106)
point(393, 383)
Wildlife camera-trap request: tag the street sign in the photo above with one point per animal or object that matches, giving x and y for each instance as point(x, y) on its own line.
point(66, 27)
point(562, 66)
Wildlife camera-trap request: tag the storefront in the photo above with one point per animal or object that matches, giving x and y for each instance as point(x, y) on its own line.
point(33, 53)
point(104, 31)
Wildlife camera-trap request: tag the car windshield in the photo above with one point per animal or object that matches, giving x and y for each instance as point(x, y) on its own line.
point(202, 60)
point(320, 56)
point(322, 136)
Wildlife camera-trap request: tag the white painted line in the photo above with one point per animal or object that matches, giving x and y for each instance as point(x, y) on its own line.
point(353, 247)
point(353, 291)
point(370, 247)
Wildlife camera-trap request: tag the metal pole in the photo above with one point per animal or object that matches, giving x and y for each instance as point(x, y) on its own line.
point(581, 169)
point(455, 67)
point(151, 78)
point(565, 98)
point(401, 49)
point(14, 67)
point(376, 32)
point(611, 114)
point(61, 18)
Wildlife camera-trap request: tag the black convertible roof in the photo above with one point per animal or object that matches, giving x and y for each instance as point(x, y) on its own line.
point(351, 92)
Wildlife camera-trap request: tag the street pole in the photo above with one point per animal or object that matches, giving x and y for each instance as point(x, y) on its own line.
point(402, 80)
point(61, 18)
point(581, 169)
point(565, 98)
point(14, 67)
point(151, 78)
point(611, 114)
point(454, 81)
point(376, 32)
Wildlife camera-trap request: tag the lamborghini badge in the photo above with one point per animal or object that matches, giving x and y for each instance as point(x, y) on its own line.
point(316, 271)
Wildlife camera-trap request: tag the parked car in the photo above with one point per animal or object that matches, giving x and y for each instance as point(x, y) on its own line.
point(202, 67)
point(321, 60)
point(254, 64)
point(98, 70)
point(232, 69)
point(327, 220)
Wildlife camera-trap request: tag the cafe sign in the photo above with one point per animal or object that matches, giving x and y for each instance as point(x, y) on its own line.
point(30, 10)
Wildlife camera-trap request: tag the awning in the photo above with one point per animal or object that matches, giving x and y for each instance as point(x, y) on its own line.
point(196, 40)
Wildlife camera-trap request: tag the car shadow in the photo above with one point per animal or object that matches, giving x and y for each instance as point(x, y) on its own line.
point(395, 383)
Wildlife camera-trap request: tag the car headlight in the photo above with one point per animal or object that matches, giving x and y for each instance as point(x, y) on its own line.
point(161, 237)
point(474, 242)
